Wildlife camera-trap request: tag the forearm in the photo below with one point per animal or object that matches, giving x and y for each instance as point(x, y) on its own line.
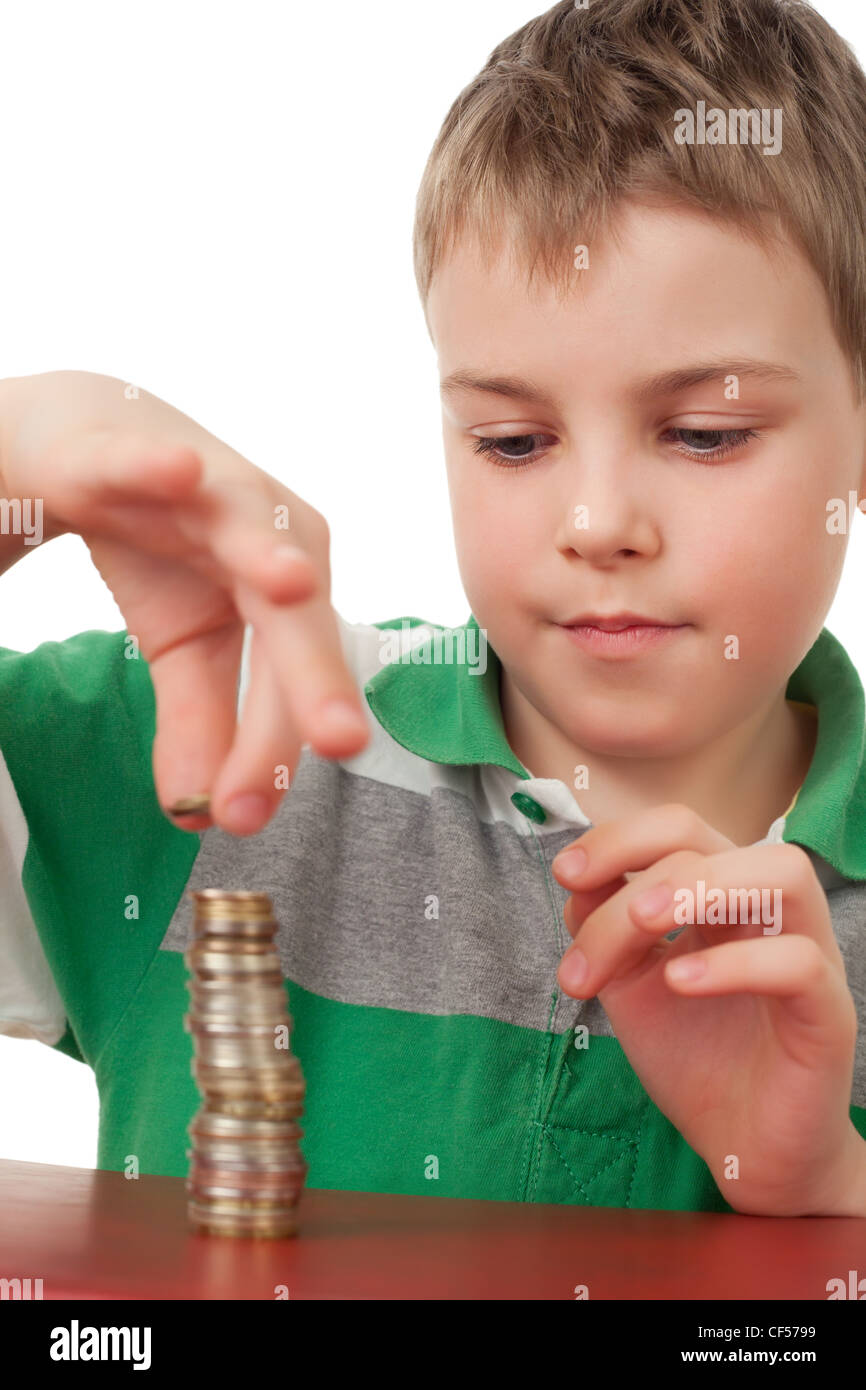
point(34, 412)
point(19, 517)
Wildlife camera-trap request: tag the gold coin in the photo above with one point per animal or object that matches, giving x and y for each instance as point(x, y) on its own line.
point(207, 1125)
point(218, 902)
point(191, 806)
point(207, 1221)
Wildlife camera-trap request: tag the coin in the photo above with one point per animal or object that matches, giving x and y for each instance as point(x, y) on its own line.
point(232, 1127)
point(214, 997)
point(225, 1087)
point(224, 1217)
point(210, 960)
point(191, 806)
point(252, 927)
point(213, 902)
point(232, 947)
point(238, 1029)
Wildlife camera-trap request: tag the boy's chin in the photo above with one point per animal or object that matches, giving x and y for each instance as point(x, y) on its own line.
point(632, 735)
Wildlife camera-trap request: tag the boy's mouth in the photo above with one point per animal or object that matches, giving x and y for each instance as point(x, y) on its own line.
point(619, 634)
point(616, 622)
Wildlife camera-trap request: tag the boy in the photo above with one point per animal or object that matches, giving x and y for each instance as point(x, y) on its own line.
point(644, 444)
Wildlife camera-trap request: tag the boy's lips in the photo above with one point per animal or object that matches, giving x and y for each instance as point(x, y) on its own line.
point(615, 622)
point(619, 634)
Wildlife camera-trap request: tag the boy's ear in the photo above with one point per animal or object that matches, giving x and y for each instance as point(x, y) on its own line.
point(861, 491)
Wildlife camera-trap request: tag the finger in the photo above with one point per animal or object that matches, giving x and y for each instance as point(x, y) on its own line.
point(117, 481)
point(788, 967)
point(579, 905)
point(316, 687)
point(611, 941)
point(238, 553)
point(195, 688)
point(234, 521)
point(107, 466)
point(709, 892)
point(241, 551)
point(635, 842)
point(245, 794)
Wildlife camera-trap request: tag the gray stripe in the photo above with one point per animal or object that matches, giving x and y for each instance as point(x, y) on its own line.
point(352, 864)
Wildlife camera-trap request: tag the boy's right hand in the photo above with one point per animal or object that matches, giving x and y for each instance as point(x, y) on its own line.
point(182, 530)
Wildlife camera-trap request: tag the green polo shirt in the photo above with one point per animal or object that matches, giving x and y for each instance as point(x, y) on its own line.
point(420, 926)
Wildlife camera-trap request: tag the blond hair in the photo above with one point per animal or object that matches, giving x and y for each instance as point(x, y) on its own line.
point(576, 109)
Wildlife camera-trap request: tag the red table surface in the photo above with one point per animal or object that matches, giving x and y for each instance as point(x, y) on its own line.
point(94, 1234)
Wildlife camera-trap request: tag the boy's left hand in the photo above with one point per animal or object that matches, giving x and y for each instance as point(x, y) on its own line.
point(755, 1057)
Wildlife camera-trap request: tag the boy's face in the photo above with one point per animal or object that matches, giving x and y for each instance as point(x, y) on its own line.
point(734, 548)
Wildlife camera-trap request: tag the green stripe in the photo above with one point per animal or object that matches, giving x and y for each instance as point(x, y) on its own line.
point(507, 1113)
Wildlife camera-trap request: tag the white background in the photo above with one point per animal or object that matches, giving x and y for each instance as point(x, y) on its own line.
point(215, 201)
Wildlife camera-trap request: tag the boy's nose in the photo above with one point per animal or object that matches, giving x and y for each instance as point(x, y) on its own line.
point(604, 528)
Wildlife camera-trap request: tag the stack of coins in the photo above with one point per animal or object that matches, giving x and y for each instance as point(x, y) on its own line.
point(246, 1168)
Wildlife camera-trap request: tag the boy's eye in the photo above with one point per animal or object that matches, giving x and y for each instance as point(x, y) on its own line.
point(516, 450)
point(716, 443)
point(499, 450)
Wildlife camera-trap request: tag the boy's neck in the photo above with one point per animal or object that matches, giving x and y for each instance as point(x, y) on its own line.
point(739, 784)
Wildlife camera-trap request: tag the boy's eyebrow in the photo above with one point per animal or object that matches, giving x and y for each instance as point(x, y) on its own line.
point(664, 383)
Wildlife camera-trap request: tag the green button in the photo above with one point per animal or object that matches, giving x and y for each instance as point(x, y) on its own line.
point(530, 808)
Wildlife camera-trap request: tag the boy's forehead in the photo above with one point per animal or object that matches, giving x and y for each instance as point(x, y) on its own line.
point(668, 277)
point(639, 232)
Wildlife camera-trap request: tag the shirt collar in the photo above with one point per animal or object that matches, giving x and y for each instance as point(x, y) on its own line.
point(447, 711)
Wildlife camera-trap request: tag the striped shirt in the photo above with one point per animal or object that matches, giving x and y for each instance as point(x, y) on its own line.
point(420, 926)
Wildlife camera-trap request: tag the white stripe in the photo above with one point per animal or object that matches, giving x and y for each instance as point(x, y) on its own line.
point(488, 786)
point(30, 1005)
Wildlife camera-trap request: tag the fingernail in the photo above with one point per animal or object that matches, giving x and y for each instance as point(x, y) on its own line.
point(573, 970)
point(570, 862)
point(246, 811)
point(341, 717)
point(651, 902)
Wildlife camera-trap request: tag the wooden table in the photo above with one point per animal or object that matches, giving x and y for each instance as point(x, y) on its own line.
point(93, 1234)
